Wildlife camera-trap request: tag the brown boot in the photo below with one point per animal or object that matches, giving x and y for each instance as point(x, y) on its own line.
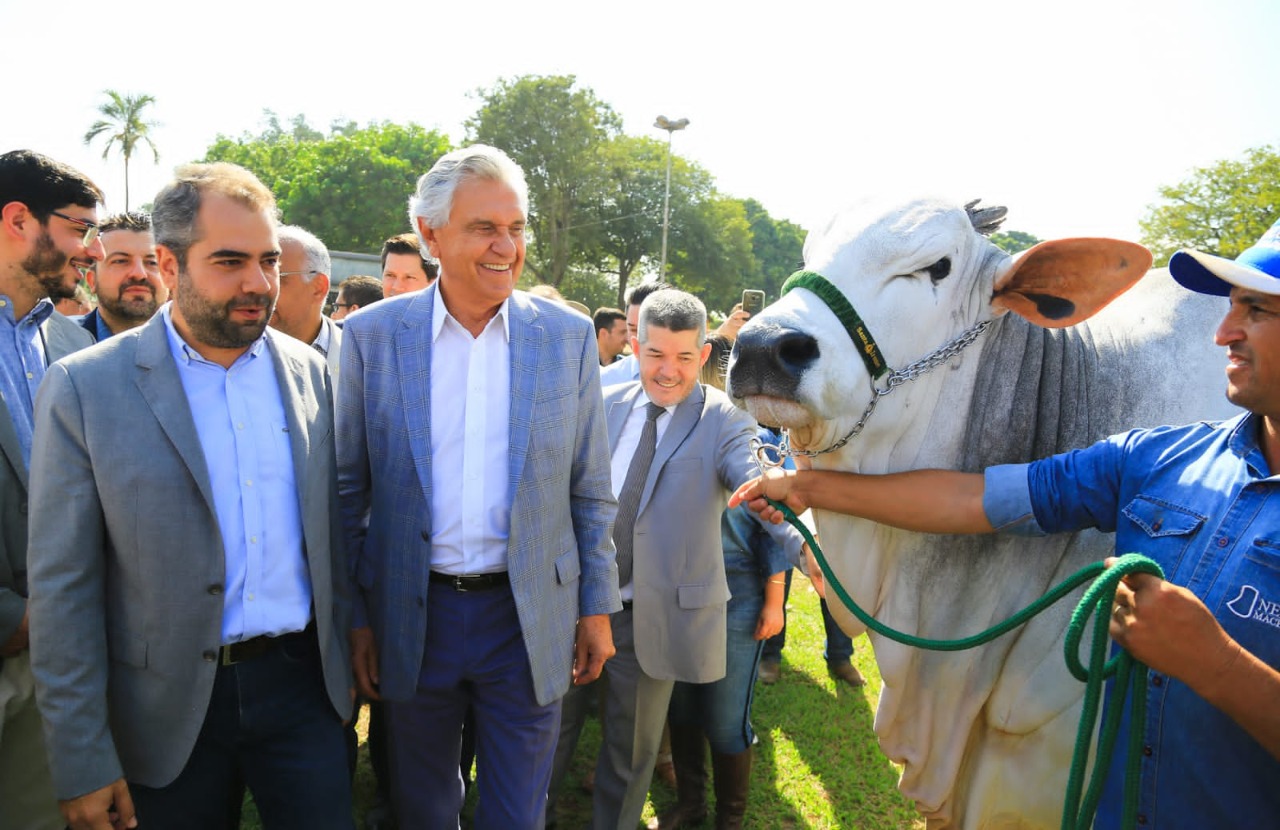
point(733, 782)
point(689, 755)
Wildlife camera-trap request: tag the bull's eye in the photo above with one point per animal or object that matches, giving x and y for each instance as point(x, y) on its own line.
point(939, 270)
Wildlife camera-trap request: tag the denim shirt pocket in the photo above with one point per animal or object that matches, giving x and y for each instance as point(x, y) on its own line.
point(1166, 529)
point(1249, 607)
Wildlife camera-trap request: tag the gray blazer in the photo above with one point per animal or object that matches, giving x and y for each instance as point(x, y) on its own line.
point(127, 561)
point(677, 570)
point(61, 338)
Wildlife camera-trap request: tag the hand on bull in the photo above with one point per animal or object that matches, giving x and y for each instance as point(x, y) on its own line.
point(777, 484)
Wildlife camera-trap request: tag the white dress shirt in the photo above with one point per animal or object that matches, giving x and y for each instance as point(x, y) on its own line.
point(628, 440)
point(470, 439)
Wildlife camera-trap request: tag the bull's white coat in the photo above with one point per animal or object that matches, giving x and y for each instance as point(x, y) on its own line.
point(985, 736)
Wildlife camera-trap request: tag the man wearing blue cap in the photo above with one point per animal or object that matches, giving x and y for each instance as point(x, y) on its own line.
point(1203, 500)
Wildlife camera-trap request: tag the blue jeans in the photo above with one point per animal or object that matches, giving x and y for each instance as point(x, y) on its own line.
point(271, 722)
point(723, 708)
point(839, 648)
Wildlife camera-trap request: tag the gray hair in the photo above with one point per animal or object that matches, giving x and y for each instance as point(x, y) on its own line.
point(177, 206)
point(315, 256)
point(433, 199)
point(673, 310)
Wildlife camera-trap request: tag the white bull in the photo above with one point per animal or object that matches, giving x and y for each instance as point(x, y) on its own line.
point(985, 736)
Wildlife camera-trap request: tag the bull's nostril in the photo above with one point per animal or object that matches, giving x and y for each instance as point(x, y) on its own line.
point(797, 350)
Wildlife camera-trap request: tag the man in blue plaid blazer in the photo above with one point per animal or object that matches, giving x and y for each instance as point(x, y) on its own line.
point(477, 504)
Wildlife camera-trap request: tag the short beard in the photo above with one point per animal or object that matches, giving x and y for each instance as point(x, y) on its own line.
point(138, 310)
point(211, 324)
point(46, 265)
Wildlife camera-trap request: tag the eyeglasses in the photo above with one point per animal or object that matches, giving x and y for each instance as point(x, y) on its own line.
point(343, 305)
point(90, 228)
point(296, 273)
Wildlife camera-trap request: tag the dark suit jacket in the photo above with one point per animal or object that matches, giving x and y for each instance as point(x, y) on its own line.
point(61, 337)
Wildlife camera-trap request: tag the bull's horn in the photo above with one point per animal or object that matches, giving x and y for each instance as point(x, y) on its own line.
point(987, 220)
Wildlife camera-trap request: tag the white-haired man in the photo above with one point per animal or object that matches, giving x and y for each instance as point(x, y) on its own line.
point(304, 288)
point(474, 480)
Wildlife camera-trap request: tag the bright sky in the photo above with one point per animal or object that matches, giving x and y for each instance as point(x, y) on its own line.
point(1070, 113)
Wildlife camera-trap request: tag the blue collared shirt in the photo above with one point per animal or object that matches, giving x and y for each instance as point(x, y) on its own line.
point(22, 365)
point(240, 419)
point(1201, 501)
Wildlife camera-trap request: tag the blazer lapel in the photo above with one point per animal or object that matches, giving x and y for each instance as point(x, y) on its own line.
point(291, 377)
point(10, 449)
point(161, 388)
point(619, 410)
point(686, 417)
point(526, 345)
point(413, 359)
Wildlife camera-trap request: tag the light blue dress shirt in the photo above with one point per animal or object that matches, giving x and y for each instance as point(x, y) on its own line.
point(22, 365)
point(1201, 502)
point(240, 419)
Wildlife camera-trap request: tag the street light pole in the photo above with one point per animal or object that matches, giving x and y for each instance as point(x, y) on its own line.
point(663, 123)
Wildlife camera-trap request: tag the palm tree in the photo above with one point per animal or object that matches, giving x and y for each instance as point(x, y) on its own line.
point(122, 123)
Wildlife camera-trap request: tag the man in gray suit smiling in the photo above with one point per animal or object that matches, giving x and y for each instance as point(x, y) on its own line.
point(189, 607)
point(48, 235)
point(678, 450)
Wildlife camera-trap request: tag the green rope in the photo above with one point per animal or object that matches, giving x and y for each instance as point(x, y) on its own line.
point(1130, 675)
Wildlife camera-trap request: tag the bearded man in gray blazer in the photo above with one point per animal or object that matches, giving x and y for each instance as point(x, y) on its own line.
point(189, 607)
point(670, 554)
point(48, 235)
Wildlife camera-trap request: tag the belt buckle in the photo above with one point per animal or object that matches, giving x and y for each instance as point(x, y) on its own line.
point(458, 584)
point(225, 657)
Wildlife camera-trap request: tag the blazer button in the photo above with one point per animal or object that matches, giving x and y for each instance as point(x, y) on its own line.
point(210, 655)
point(426, 537)
point(215, 590)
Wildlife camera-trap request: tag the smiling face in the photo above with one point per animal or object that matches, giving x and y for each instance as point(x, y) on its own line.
point(670, 362)
point(481, 249)
point(127, 281)
point(58, 256)
point(227, 290)
point(1251, 333)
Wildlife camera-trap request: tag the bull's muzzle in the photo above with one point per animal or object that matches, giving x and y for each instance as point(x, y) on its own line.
point(769, 359)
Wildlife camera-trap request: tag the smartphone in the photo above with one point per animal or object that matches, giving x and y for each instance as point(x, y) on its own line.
point(752, 301)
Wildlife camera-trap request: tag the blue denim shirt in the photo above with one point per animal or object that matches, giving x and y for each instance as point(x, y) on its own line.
point(22, 365)
point(1200, 501)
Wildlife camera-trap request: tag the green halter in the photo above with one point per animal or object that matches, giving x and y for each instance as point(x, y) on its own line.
point(844, 311)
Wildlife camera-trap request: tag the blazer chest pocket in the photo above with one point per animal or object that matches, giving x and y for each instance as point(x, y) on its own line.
point(127, 649)
point(702, 596)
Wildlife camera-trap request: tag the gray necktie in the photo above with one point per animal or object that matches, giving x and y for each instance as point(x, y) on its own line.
point(629, 499)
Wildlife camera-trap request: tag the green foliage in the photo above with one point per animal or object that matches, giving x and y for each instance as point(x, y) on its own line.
point(1221, 209)
point(556, 133)
point(351, 187)
point(124, 126)
point(1011, 242)
point(778, 248)
point(709, 252)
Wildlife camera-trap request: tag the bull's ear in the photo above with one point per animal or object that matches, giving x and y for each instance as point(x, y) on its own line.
point(1061, 282)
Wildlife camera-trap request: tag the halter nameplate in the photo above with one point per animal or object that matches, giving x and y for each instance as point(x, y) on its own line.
point(845, 313)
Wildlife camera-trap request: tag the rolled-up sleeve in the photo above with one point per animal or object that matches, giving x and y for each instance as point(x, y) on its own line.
point(1006, 499)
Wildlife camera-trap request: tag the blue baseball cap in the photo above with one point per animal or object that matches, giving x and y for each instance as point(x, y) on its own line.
point(1257, 269)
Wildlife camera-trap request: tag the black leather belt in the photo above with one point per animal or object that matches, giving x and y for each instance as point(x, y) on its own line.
point(255, 647)
point(474, 582)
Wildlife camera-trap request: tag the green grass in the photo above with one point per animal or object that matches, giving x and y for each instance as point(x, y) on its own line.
point(817, 763)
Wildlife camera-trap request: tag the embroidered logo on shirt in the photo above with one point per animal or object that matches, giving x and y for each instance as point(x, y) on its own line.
point(1250, 605)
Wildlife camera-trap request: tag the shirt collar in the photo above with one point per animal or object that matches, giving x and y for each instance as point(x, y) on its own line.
point(1245, 442)
point(643, 400)
point(324, 338)
point(40, 312)
point(439, 314)
point(183, 351)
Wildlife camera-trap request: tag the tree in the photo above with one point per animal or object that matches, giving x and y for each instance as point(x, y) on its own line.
point(123, 125)
point(629, 209)
point(1220, 210)
point(1011, 242)
point(777, 246)
point(556, 132)
point(710, 249)
point(350, 188)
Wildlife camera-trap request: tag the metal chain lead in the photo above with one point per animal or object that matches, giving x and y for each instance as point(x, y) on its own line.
point(896, 378)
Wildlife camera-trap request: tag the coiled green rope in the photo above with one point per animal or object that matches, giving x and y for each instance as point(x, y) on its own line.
point(1130, 675)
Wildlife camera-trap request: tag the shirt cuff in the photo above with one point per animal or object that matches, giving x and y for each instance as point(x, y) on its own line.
point(1006, 499)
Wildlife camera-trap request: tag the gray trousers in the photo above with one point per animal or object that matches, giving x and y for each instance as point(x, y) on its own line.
point(635, 709)
point(26, 788)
